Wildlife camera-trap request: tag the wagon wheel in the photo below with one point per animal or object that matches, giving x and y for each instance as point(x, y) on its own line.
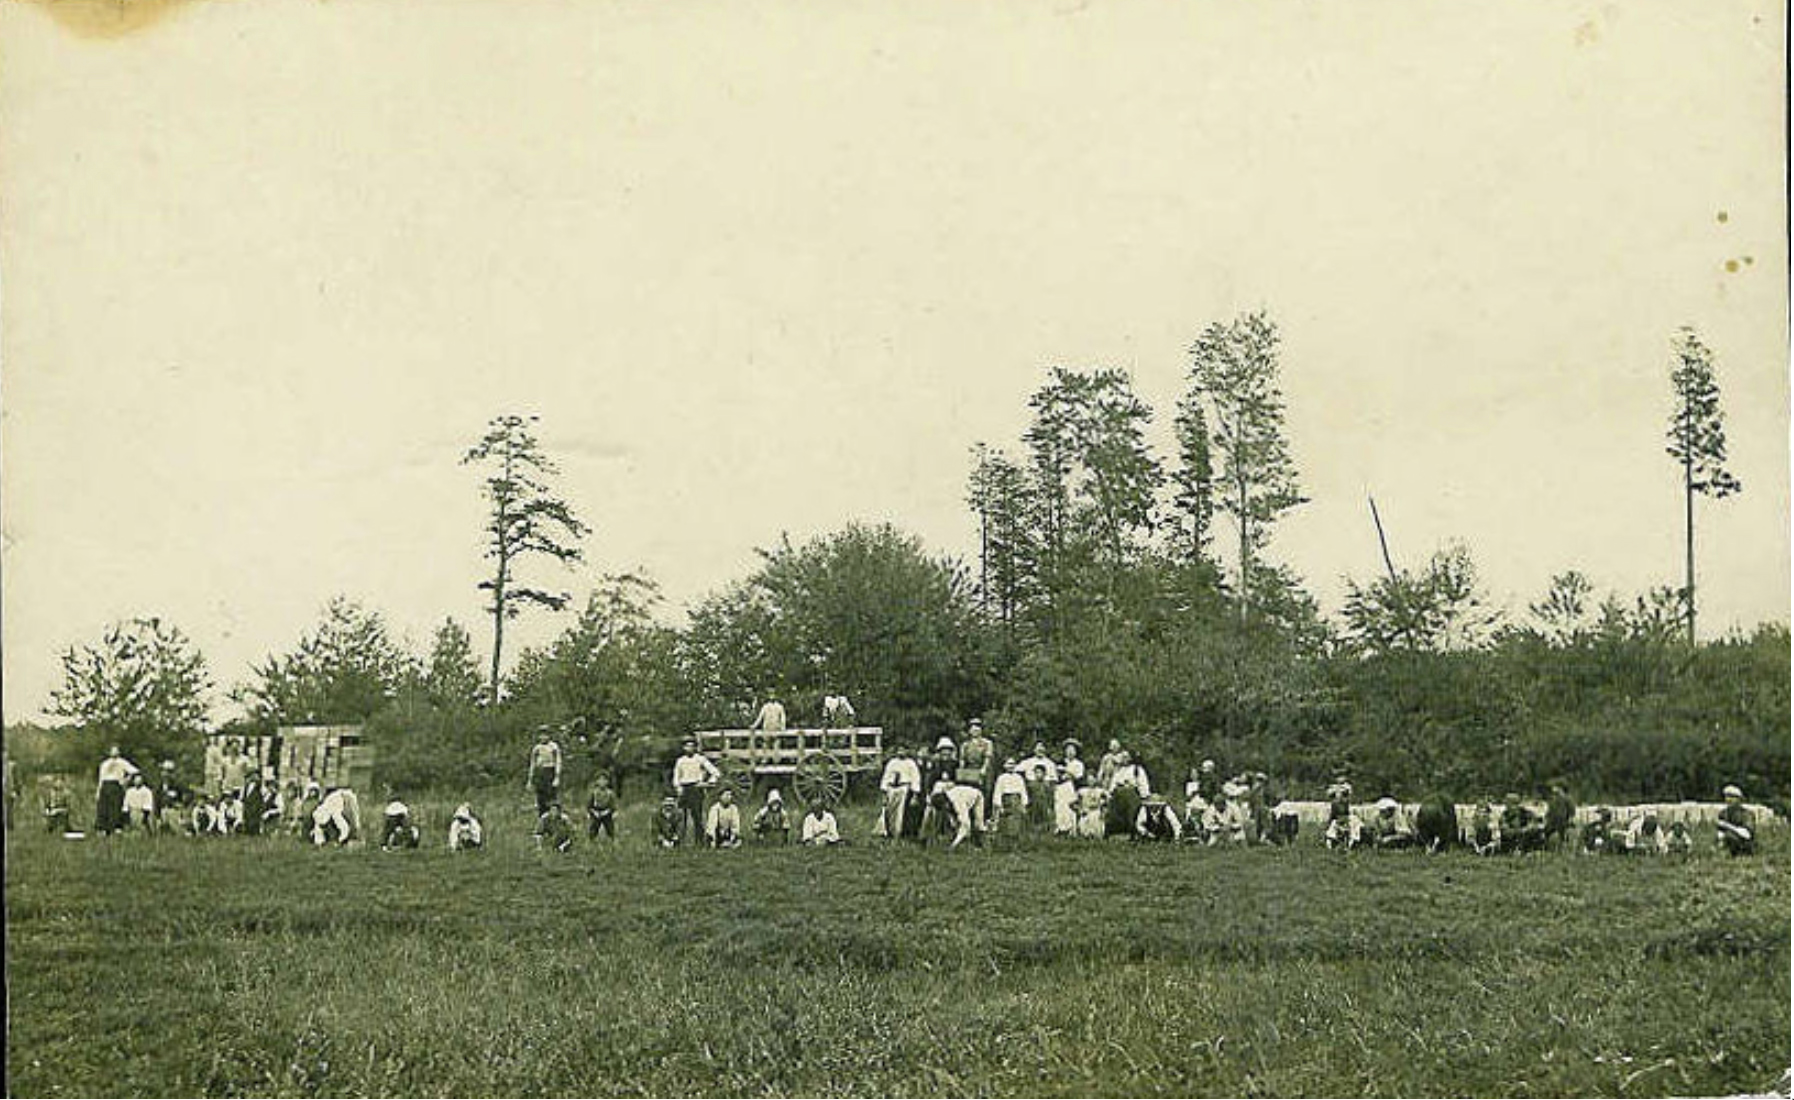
point(737, 776)
point(820, 779)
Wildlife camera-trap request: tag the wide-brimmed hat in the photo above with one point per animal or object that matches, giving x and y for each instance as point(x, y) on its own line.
point(1155, 800)
point(1074, 743)
point(774, 796)
point(1232, 789)
point(1385, 804)
point(944, 743)
point(1732, 791)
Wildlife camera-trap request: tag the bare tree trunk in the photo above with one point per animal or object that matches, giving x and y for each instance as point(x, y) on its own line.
point(1688, 528)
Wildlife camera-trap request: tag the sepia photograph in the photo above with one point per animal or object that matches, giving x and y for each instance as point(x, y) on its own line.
point(1081, 548)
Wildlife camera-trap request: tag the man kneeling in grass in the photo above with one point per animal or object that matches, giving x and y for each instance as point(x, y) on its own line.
point(1157, 821)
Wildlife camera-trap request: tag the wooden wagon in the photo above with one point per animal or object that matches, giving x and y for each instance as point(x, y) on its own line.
point(818, 763)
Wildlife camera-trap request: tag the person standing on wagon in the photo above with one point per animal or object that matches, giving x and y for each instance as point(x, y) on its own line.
point(692, 773)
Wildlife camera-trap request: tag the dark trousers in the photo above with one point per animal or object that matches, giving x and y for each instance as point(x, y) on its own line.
point(691, 811)
point(601, 819)
point(546, 790)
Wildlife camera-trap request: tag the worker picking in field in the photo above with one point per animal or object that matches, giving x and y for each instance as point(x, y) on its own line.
point(337, 818)
point(1733, 826)
point(465, 833)
point(397, 830)
point(959, 810)
point(1157, 821)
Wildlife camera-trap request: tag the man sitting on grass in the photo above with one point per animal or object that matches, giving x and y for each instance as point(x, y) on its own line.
point(1733, 826)
point(820, 828)
point(1224, 822)
point(554, 829)
point(669, 823)
point(1157, 821)
point(722, 826)
point(1646, 835)
point(465, 831)
point(772, 824)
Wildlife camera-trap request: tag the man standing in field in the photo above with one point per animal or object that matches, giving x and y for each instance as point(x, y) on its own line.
point(692, 774)
point(544, 771)
point(901, 782)
point(109, 799)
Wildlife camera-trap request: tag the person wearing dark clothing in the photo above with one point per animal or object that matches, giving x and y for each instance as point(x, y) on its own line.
point(1560, 814)
point(601, 809)
point(1733, 826)
point(1521, 829)
point(554, 829)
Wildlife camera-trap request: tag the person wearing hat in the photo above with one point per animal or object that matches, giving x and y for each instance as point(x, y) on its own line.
point(601, 808)
point(544, 778)
point(1157, 821)
point(772, 822)
point(397, 830)
point(820, 828)
point(465, 832)
point(942, 763)
point(693, 774)
point(1065, 792)
point(1010, 793)
point(1733, 826)
point(669, 823)
point(1678, 842)
point(900, 785)
point(1390, 828)
point(1344, 829)
point(554, 829)
point(977, 758)
point(1111, 760)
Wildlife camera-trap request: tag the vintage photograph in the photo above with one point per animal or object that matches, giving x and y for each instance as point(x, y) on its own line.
point(1082, 548)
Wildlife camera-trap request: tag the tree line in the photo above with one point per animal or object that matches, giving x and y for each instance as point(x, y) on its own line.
point(1113, 594)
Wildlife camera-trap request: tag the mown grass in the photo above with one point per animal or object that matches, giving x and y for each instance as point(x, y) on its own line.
point(259, 966)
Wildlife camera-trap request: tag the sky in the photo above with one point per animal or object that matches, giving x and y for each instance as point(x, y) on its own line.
point(764, 268)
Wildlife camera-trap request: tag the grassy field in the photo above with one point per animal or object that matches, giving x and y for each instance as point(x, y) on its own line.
point(260, 966)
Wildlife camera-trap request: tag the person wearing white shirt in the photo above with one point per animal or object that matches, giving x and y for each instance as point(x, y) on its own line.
point(1009, 798)
point(722, 827)
point(544, 770)
point(771, 718)
point(140, 804)
point(1224, 822)
point(338, 818)
point(109, 799)
point(820, 828)
point(962, 806)
point(837, 712)
point(692, 774)
point(465, 832)
point(901, 783)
